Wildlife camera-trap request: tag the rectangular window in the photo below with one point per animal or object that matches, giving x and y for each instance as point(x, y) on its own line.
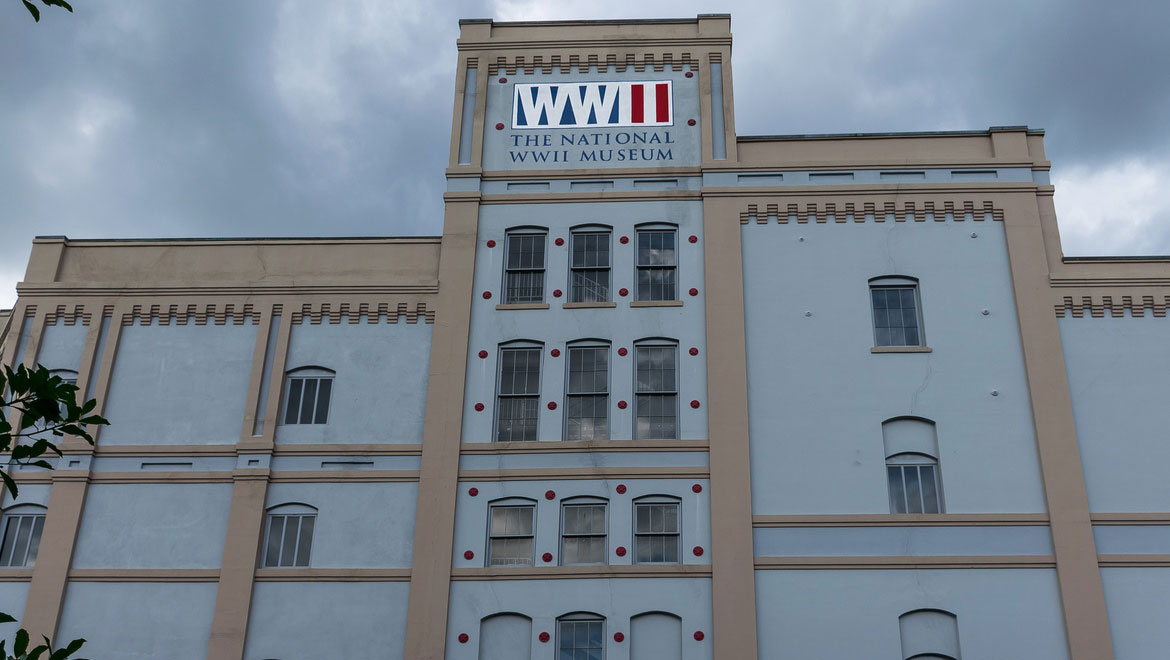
point(307, 400)
point(587, 400)
point(519, 395)
point(656, 535)
point(896, 320)
point(913, 489)
point(589, 268)
point(657, 265)
point(657, 393)
point(580, 639)
point(583, 534)
point(289, 540)
point(22, 539)
point(524, 269)
point(511, 536)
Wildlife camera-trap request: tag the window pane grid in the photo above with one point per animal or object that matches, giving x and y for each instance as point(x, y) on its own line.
point(583, 534)
point(519, 395)
point(656, 405)
point(307, 401)
point(524, 270)
point(590, 268)
point(580, 639)
point(290, 540)
point(22, 539)
point(913, 489)
point(895, 316)
point(511, 536)
point(656, 533)
point(656, 265)
point(587, 400)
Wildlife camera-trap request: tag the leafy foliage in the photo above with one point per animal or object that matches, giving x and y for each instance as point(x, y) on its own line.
point(39, 407)
point(36, 13)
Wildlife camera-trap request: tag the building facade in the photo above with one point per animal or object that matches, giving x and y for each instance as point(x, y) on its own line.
point(658, 391)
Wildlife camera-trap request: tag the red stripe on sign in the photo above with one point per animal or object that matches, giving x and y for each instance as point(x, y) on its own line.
point(661, 103)
point(637, 99)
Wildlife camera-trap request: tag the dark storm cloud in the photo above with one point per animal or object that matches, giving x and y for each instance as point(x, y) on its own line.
point(189, 118)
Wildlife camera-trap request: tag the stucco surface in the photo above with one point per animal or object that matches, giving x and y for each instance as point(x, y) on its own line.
point(1138, 600)
point(61, 346)
point(139, 620)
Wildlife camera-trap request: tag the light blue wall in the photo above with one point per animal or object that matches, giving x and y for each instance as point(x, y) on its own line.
point(619, 600)
point(359, 525)
point(555, 326)
point(62, 345)
point(153, 526)
point(1138, 600)
point(12, 598)
point(471, 515)
point(902, 541)
point(139, 620)
point(380, 389)
point(1002, 613)
point(179, 384)
point(294, 620)
point(1119, 379)
point(817, 396)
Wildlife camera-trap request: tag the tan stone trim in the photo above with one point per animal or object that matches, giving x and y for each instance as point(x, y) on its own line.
point(106, 368)
point(160, 477)
point(1130, 518)
point(241, 547)
point(16, 575)
point(589, 305)
point(281, 449)
point(238, 290)
point(32, 351)
point(68, 316)
point(46, 591)
point(656, 303)
point(733, 580)
point(1097, 306)
point(267, 439)
point(559, 447)
point(877, 210)
point(901, 349)
point(73, 445)
point(1086, 619)
point(19, 316)
point(256, 375)
point(144, 575)
point(606, 174)
point(426, 625)
point(636, 59)
point(1134, 561)
point(164, 450)
point(540, 474)
point(903, 520)
point(352, 476)
point(594, 196)
point(315, 313)
point(192, 312)
point(518, 306)
point(332, 575)
point(581, 572)
point(905, 562)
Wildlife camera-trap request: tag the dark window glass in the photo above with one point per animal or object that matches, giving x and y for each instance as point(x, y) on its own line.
point(590, 267)
point(895, 316)
point(587, 404)
point(657, 393)
point(524, 269)
point(913, 487)
point(656, 533)
point(289, 540)
point(580, 639)
point(583, 535)
point(656, 265)
point(511, 536)
point(22, 539)
point(307, 399)
point(518, 396)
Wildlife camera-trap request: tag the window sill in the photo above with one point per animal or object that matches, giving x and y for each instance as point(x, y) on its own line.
point(524, 306)
point(901, 349)
point(589, 305)
point(656, 303)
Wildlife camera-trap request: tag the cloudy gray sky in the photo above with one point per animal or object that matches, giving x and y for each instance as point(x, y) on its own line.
point(310, 118)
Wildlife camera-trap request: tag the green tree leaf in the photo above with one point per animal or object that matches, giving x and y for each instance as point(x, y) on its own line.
point(32, 9)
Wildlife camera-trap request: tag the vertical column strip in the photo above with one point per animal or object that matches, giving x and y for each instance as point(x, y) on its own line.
point(467, 119)
point(46, 591)
point(261, 358)
point(106, 371)
point(718, 138)
point(233, 598)
point(284, 325)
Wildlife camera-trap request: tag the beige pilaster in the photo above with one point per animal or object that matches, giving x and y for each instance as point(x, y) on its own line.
point(46, 591)
point(430, 577)
point(233, 600)
point(1082, 596)
point(733, 586)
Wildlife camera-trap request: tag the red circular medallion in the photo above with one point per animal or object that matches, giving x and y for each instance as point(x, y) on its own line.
point(693, 351)
point(547, 557)
point(698, 550)
point(557, 293)
point(618, 637)
point(622, 351)
point(693, 291)
point(623, 292)
point(624, 239)
point(622, 405)
point(463, 638)
point(690, 122)
point(621, 551)
point(544, 637)
point(689, 74)
point(621, 489)
point(559, 241)
point(550, 494)
point(499, 127)
point(556, 352)
point(473, 491)
point(487, 295)
point(694, 403)
point(469, 555)
point(491, 243)
point(699, 635)
point(693, 238)
point(483, 355)
point(697, 488)
point(479, 407)
point(504, 80)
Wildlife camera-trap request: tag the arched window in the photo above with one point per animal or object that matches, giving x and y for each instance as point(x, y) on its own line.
point(587, 390)
point(584, 525)
point(656, 389)
point(307, 394)
point(589, 264)
point(581, 635)
point(655, 636)
point(897, 311)
point(22, 525)
point(524, 265)
point(288, 536)
point(67, 376)
point(506, 636)
point(657, 262)
point(511, 530)
point(912, 470)
point(656, 530)
point(929, 634)
point(518, 392)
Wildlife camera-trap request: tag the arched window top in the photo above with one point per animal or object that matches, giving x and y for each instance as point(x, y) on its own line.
point(929, 633)
point(893, 280)
point(526, 229)
point(65, 374)
point(521, 343)
point(585, 499)
point(652, 225)
point(591, 227)
point(589, 341)
point(502, 614)
point(656, 498)
point(292, 508)
point(512, 501)
point(25, 509)
point(911, 458)
point(311, 371)
point(580, 616)
point(656, 341)
point(910, 435)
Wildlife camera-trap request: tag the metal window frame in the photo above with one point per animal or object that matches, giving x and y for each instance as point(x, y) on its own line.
point(510, 504)
point(638, 267)
point(656, 500)
point(300, 516)
point(587, 344)
point(897, 282)
point(307, 373)
point(575, 502)
point(904, 460)
point(580, 617)
point(520, 345)
point(508, 236)
point(19, 517)
point(592, 230)
point(659, 343)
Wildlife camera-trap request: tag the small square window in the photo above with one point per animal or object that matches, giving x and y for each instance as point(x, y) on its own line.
point(307, 399)
point(510, 536)
point(289, 540)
